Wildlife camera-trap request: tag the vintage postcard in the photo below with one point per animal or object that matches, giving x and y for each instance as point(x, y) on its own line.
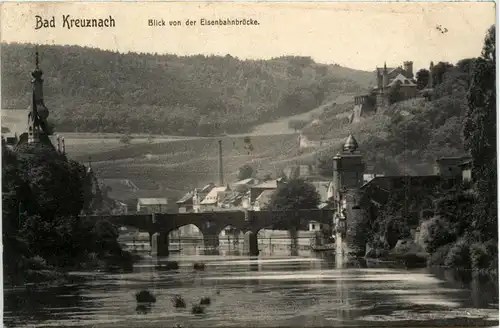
point(286, 164)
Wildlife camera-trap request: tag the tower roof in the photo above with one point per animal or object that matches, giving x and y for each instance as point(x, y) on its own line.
point(351, 144)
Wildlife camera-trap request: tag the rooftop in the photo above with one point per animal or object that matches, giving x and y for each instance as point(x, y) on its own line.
point(152, 201)
point(188, 196)
point(271, 184)
point(212, 196)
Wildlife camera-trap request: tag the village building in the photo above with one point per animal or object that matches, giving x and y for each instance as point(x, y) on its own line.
point(185, 204)
point(152, 205)
point(263, 199)
point(212, 200)
point(199, 195)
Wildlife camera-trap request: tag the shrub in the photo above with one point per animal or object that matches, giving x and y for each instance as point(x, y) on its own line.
point(438, 233)
point(482, 256)
point(197, 309)
point(179, 302)
point(205, 301)
point(459, 256)
point(145, 296)
point(438, 257)
point(199, 266)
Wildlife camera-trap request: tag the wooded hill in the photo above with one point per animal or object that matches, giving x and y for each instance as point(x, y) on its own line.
point(91, 90)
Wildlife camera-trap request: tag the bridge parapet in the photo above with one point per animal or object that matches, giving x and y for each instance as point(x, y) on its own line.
point(140, 221)
point(213, 223)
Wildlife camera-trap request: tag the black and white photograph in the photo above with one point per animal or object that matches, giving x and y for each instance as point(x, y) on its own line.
point(249, 164)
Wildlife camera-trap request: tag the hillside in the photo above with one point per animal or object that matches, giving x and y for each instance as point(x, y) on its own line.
point(90, 90)
point(410, 135)
point(171, 168)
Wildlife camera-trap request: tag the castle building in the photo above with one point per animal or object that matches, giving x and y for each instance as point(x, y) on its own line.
point(387, 78)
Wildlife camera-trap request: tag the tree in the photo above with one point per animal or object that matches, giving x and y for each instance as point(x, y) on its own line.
point(245, 172)
point(42, 197)
point(438, 72)
point(394, 94)
point(422, 78)
point(324, 164)
point(296, 194)
point(480, 137)
point(297, 124)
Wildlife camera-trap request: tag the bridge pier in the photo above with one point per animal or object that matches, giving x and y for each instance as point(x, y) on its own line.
point(252, 243)
point(211, 244)
point(294, 241)
point(159, 244)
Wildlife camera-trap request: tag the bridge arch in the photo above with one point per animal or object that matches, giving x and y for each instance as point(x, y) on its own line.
point(230, 236)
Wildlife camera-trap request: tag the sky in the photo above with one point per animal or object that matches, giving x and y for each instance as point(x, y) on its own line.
point(357, 35)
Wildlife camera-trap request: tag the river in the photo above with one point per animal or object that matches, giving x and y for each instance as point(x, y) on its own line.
point(269, 291)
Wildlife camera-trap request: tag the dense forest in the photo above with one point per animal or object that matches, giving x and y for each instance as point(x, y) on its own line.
point(43, 194)
point(91, 90)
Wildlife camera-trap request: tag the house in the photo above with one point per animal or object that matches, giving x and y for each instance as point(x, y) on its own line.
point(263, 199)
point(120, 208)
point(152, 205)
point(256, 190)
point(451, 167)
point(212, 200)
point(10, 139)
point(199, 194)
point(244, 185)
point(185, 204)
point(298, 171)
point(466, 168)
point(317, 226)
point(369, 177)
point(325, 191)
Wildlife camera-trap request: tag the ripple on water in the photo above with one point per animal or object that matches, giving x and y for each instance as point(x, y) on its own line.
point(281, 292)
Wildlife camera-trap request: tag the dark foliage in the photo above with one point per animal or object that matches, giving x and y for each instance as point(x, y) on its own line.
point(422, 78)
point(294, 195)
point(297, 124)
point(145, 296)
point(245, 172)
point(462, 232)
point(43, 194)
point(179, 302)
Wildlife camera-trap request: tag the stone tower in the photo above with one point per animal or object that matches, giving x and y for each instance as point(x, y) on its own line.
point(348, 169)
point(408, 67)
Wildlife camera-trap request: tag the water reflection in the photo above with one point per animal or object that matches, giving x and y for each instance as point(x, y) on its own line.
point(268, 290)
point(143, 308)
point(24, 304)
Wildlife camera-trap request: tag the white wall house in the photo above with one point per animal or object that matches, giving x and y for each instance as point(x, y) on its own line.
point(152, 205)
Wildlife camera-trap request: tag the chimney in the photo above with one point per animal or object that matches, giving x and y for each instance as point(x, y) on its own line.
point(221, 173)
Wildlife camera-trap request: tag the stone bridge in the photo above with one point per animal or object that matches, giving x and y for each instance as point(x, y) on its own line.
point(211, 224)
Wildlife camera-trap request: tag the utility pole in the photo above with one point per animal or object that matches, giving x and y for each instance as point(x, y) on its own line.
point(221, 173)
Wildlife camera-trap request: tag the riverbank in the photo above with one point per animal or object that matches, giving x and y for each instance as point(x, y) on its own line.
point(36, 272)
